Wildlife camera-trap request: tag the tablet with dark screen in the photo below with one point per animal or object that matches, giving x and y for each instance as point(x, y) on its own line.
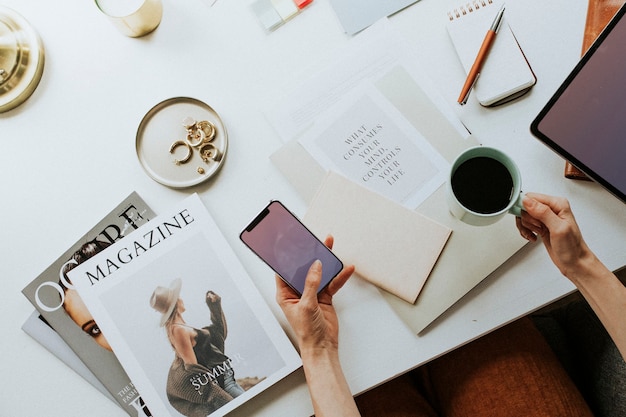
point(585, 120)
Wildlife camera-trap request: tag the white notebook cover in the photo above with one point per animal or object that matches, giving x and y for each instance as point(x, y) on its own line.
point(506, 73)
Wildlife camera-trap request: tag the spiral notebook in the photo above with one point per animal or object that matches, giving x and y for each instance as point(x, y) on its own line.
point(506, 74)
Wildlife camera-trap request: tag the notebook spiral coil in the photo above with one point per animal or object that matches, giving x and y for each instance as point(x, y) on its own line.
point(468, 8)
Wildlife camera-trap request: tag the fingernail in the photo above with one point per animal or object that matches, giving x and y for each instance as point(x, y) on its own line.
point(527, 201)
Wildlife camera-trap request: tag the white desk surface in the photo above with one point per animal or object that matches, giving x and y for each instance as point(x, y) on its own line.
point(68, 158)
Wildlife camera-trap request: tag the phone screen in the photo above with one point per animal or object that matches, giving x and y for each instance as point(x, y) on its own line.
point(288, 247)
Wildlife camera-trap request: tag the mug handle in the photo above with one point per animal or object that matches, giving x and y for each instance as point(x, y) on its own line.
point(517, 208)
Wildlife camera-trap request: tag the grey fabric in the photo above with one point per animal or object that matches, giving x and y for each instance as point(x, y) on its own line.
point(588, 354)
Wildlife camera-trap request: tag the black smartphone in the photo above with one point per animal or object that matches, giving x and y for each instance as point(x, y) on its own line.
point(288, 247)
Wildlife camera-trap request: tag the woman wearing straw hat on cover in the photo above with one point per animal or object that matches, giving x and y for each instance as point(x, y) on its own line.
point(201, 378)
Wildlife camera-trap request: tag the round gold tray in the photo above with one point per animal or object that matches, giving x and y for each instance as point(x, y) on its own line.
point(21, 59)
point(165, 152)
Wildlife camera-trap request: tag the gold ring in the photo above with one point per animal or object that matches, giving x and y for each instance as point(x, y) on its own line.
point(189, 151)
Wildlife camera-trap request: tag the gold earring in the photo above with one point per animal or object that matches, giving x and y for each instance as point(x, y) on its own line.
point(189, 151)
point(208, 128)
point(208, 151)
point(195, 134)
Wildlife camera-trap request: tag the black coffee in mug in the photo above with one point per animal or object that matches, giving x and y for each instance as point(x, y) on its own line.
point(482, 185)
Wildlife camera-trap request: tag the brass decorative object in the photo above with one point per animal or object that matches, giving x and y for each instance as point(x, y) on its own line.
point(21, 59)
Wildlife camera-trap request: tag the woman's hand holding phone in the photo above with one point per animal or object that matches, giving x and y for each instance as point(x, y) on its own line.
point(312, 315)
point(315, 322)
point(288, 247)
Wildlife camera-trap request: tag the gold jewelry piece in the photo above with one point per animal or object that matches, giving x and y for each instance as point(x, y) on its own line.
point(195, 137)
point(199, 135)
point(208, 151)
point(208, 128)
point(189, 151)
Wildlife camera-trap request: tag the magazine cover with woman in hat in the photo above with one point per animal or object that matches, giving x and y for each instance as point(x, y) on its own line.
point(183, 317)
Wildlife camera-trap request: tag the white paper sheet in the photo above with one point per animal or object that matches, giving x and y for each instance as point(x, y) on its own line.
point(369, 56)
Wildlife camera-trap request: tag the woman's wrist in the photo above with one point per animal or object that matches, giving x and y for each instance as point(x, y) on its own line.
point(319, 353)
point(587, 270)
point(320, 360)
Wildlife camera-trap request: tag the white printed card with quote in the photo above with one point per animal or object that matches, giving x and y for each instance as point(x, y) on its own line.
point(365, 138)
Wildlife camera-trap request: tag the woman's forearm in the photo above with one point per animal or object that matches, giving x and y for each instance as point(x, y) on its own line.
point(327, 384)
point(605, 294)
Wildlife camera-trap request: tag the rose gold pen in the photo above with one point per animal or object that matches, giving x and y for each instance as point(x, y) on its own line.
point(474, 72)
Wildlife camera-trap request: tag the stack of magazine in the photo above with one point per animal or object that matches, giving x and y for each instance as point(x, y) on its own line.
point(158, 313)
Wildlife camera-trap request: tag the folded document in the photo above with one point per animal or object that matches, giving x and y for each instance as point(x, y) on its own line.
point(391, 246)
